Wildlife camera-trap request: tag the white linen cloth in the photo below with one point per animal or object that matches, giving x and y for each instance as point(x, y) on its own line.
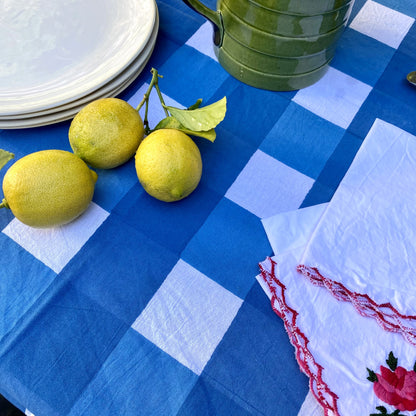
point(353, 300)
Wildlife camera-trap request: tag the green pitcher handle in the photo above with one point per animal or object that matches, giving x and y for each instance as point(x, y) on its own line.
point(214, 17)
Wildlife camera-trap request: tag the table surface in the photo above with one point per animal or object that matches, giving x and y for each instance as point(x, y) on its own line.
point(140, 307)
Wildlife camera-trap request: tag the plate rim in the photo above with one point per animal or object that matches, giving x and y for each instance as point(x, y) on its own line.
point(45, 99)
point(68, 113)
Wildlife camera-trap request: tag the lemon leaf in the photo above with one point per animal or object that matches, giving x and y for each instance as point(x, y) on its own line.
point(196, 105)
point(203, 118)
point(173, 123)
point(209, 134)
point(168, 123)
point(5, 156)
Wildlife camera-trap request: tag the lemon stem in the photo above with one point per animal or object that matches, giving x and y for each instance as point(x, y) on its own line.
point(161, 99)
point(145, 101)
point(4, 204)
point(145, 120)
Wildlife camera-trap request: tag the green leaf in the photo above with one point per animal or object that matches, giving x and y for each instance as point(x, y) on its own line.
point(168, 123)
point(392, 361)
point(5, 156)
point(201, 119)
point(383, 412)
point(209, 135)
point(372, 376)
point(196, 105)
point(172, 123)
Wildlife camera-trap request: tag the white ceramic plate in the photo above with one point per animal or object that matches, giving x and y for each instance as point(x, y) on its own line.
point(69, 110)
point(54, 52)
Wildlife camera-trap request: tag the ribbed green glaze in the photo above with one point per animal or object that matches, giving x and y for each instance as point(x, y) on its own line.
point(264, 42)
point(268, 81)
point(279, 45)
point(305, 7)
point(284, 24)
point(278, 65)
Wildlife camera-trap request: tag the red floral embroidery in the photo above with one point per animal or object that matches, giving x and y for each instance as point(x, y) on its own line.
point(397, 387)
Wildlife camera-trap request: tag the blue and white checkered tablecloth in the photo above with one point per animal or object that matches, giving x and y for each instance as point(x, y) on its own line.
point(140, 307)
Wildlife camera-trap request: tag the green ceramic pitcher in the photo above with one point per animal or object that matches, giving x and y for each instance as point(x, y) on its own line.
point(277, 45)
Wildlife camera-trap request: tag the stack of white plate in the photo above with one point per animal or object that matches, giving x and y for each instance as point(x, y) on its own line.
point(57, 56)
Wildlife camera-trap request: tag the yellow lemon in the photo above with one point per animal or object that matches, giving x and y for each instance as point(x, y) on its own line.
point(168, 164)
point(48, 188)
point(106, 133)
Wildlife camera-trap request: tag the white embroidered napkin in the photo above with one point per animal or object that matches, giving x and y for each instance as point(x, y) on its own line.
point(359, 253)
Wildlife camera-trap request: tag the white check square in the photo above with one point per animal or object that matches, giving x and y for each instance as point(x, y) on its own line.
point(202, 40)
point(382, 23)
point(56, 246)
point(188, 316)
point(266, 186)
point(336, 97)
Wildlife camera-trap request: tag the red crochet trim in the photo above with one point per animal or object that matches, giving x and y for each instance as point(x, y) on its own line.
point(326, 398)
point(385, 314)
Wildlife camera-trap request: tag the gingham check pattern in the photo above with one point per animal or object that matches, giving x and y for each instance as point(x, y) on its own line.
point(145, 308)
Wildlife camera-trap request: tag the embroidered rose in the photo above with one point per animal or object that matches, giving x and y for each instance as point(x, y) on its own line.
point(395, 385)
point(397, 388)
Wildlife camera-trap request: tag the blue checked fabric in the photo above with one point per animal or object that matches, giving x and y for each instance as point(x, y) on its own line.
point(145, 308)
